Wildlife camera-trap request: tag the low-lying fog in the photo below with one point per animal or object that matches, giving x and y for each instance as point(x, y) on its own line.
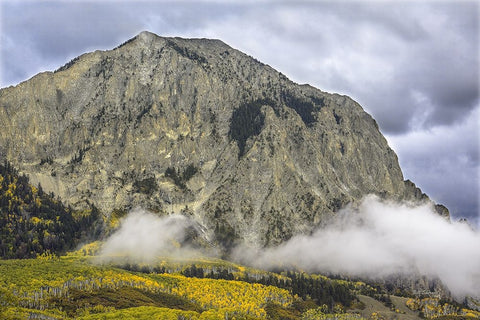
point(376, 239)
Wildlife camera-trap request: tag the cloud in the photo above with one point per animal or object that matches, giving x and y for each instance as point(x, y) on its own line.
point(375, 240)
point(144, 236)
point(44, 36)
point(379, 239)
point(381, 57)
point(445, 161)
point(385, 56)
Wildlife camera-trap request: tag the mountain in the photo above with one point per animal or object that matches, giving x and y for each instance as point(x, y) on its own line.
point(193, 126)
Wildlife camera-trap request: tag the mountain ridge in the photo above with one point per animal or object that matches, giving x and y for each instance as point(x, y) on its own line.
point(193, 126)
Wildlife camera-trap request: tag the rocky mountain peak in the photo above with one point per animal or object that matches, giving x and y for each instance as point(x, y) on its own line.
point(194, 127)
point(147, 36)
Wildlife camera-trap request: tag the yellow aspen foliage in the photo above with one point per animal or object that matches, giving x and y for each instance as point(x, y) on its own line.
point(11, 189)
point(9, 192)
point(245, 297)
point(432, 308)
point(212, 314)
point(413, 304)
point(35, 220)
point(472, 314)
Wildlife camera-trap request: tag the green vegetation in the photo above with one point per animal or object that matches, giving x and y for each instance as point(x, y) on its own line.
point(180, 178)
point(78, 156)
point(76, 286)
point(73, 286)
point(67, 65)
point(304, 107)
point(225, 234)
point(185, 52)
point(247, 121)
point(121, 298)
point(142, 313)
point(276, 312)
point(146, 186)
point(114, 220)
point(33, 222)
point(125, 43)
point(48, 160)
point(434, 308)
point(316, 314)
point(313, 289)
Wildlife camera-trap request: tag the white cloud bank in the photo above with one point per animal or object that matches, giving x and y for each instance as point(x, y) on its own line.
point(376, 239)
point(144, 236)
point(382, 238)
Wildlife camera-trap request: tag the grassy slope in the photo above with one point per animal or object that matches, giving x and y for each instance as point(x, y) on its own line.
point(75, 286)
point(72, 285)
point(372, 305)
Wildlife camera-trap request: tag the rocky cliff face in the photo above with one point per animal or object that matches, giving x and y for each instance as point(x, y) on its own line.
point(193, 126)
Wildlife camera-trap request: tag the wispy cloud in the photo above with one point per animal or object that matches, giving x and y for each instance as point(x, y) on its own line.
point(143, 237)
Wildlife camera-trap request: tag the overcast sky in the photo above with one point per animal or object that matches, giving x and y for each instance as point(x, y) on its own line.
point(413, 65)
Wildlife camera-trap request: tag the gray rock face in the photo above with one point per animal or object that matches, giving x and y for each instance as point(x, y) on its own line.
point(193, 126)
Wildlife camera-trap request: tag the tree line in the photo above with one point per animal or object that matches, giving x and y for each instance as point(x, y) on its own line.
point(323, 291)
point(33, 222)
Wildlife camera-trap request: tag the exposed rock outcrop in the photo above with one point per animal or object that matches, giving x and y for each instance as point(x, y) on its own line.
point(194, 126)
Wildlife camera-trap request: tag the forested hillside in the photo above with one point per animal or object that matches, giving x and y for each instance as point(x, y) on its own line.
point(33, 222)
point(79, 285)
point(63, 284)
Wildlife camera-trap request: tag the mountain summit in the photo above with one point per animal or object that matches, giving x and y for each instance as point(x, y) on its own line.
point(193, 126)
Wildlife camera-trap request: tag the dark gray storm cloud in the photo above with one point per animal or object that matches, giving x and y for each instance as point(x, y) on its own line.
point(413, 65)
point(445, 162)
point(386, 55)
point(42, 36)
